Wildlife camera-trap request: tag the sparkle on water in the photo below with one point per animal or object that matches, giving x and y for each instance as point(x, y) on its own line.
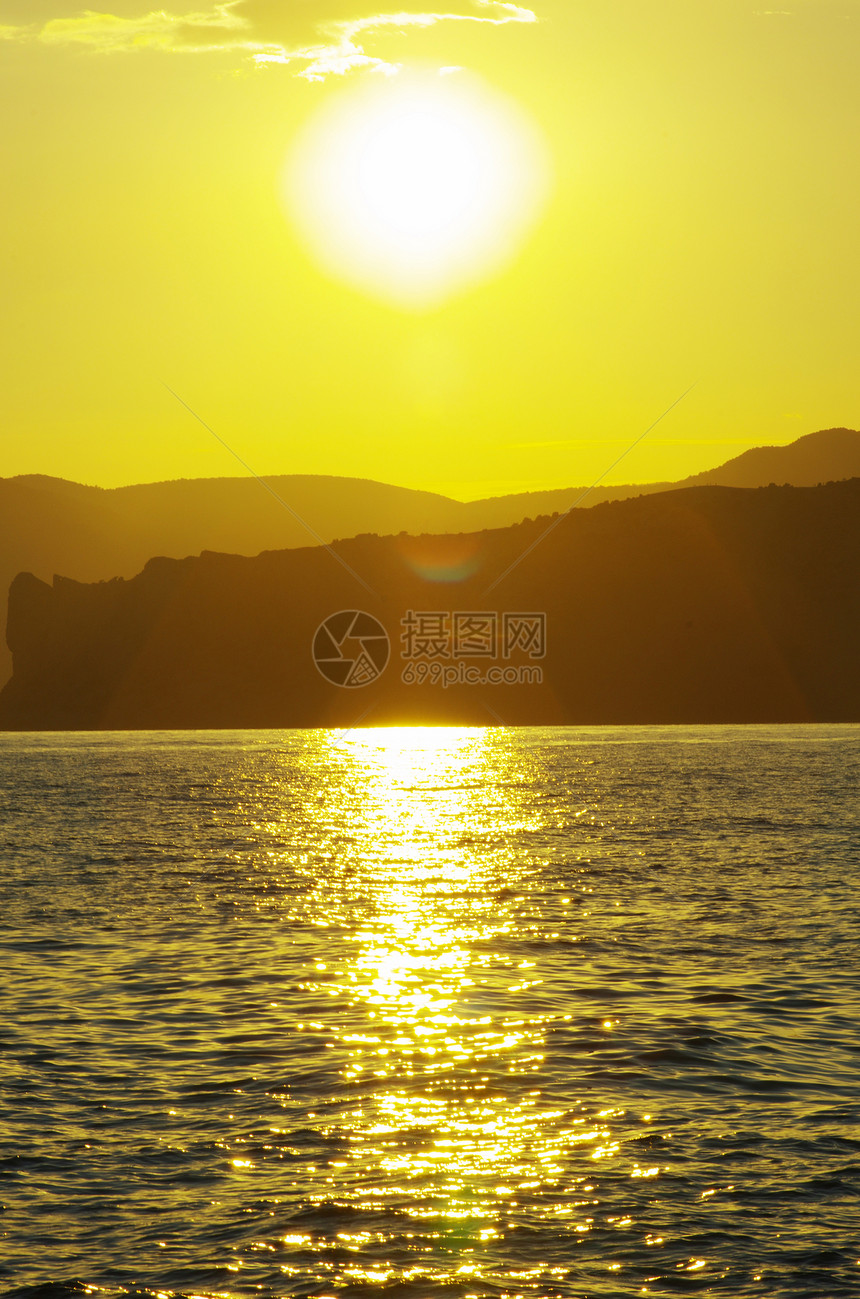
point(481, 1013)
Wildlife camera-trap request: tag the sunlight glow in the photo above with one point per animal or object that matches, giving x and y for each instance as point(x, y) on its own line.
point(416, 188)
point(416, 739)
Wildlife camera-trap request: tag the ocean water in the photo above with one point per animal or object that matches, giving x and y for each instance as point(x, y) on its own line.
point(428, 1013)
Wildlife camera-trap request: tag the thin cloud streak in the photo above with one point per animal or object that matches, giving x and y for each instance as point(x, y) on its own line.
point(346, 52)
point(228, 27)
point(109, 33)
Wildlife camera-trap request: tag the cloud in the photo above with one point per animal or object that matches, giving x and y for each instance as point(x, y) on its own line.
point(345, 46)
point(319, 38)
point(218, 28)
point(297, 24)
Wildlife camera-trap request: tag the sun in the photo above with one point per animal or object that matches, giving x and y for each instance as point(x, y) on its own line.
point(416, 188)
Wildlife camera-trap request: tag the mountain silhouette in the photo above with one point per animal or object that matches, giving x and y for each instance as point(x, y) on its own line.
point(48, 525)
point(699, 605)
point(824, 457)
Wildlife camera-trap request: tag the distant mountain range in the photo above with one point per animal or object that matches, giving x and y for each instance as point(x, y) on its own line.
point(701, 605)
point(48, 525)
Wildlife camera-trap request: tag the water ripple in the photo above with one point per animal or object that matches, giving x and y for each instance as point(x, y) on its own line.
point(438, 1013)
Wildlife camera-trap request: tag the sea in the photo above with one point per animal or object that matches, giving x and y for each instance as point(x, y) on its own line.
point(417, 1013)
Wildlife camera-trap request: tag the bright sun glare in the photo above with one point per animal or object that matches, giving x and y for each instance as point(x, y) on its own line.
point(417, 187)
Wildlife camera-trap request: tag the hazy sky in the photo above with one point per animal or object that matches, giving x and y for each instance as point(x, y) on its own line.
point(701, 227)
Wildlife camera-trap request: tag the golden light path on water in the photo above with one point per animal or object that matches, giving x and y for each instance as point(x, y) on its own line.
point(449, 1123)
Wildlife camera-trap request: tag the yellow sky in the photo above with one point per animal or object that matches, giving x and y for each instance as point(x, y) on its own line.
point(702, 227)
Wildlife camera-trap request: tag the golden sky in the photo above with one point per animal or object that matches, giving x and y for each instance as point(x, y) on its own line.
point(689, 215)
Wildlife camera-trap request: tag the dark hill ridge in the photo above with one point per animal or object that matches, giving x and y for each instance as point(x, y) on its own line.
point(704, 605)
point(830, 455)
point(50, 526)
point(824, 457)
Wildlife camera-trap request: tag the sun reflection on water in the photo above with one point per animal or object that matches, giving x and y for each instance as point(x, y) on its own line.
point(448, 1124)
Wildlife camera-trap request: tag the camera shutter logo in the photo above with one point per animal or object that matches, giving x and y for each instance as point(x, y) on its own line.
point(351, 648)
